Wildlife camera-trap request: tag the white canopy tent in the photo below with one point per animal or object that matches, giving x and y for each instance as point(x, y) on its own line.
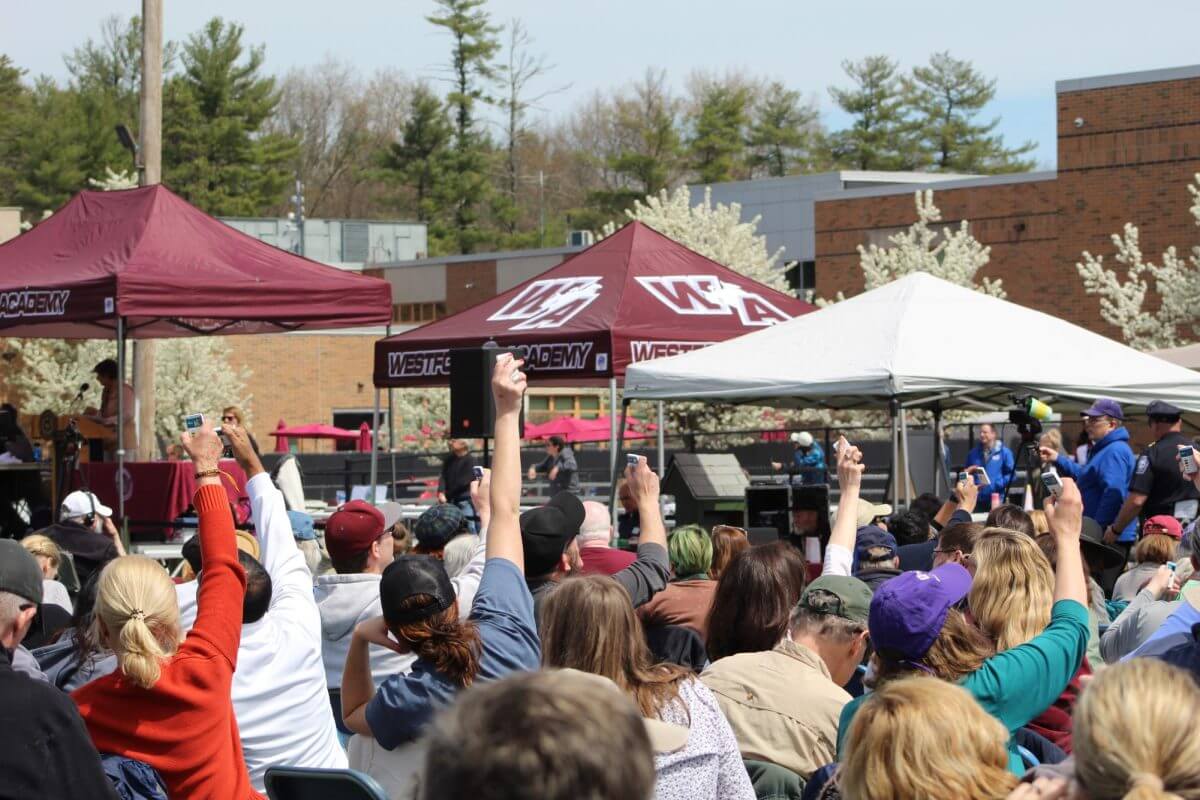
point(919, 342)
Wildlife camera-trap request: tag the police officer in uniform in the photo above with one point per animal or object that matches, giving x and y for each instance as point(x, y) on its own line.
point(1157, 486)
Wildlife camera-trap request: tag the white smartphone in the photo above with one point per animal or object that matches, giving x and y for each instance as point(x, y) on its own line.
point(632, 459)
point(1187, 457)
point(1052, 482)
point(193, 422)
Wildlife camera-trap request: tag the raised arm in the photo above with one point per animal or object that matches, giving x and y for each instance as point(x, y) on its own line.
point(291, 582)
point(648, 575)
point(504, 532)
point(1065, 517)
point(219, 600)
point(839, 552)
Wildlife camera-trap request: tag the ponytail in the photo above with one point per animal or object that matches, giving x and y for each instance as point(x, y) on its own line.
point(140, 654)
point(136, 604)
point(452, 646)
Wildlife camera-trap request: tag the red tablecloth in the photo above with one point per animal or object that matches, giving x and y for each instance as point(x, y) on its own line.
point(157, 491)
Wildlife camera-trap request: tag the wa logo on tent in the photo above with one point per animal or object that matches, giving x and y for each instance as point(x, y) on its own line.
point(708, 295)
point(549, 303)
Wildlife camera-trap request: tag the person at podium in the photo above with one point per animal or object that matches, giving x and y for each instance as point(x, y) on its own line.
point(106, 374)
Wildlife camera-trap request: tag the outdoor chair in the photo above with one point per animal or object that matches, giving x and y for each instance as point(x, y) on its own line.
point(301, 783)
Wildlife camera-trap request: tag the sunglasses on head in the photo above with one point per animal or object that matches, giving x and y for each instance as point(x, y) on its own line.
point(728, 529)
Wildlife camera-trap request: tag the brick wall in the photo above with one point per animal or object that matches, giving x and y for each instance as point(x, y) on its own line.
point(302, 379)
point(468, 284)
point(1131, 160)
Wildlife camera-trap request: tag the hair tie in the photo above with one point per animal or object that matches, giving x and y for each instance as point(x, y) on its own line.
point(1147, 779)
point(138, 614)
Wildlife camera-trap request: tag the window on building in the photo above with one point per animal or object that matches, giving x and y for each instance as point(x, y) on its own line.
point(545, 407)
point(351, 419)
point(414, 313)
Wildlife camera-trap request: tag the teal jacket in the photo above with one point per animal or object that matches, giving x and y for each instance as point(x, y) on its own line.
point(1019, 684)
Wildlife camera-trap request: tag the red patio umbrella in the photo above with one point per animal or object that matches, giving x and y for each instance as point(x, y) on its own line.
point(318, 430)
point(364, 438)
point(282, 445)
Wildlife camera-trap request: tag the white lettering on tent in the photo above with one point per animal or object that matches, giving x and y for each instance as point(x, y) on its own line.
point(556, 356)
point(419, 364)
point(549, 303)
point(34, 303)
point(647, 351)
point(708, 295)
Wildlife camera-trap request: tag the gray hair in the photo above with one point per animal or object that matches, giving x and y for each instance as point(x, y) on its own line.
point(10, 606)
point(457, 553)
point(597, 524)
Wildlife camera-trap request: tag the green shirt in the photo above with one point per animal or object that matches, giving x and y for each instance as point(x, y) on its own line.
point(1016, 686)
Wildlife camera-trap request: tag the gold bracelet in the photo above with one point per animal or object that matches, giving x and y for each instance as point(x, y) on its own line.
point(208, 473)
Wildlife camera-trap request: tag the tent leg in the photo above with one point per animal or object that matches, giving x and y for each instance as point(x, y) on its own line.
point(391, 409)
point(904, 475)
point(374, 447)
point(893, 407)
point(121, 419)
point(612, 489)
point(662, 451)
point(939, 460)
point(612, 434)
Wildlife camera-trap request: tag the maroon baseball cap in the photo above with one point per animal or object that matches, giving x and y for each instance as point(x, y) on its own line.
point(1169, 524)
point(352, 529)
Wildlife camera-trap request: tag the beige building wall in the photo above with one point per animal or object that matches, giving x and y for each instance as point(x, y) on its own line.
point(10, 223)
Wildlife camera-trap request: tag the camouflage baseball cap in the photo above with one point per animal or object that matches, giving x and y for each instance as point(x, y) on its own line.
point(438, 525)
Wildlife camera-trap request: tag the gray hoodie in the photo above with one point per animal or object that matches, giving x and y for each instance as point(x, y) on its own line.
point(344, 601)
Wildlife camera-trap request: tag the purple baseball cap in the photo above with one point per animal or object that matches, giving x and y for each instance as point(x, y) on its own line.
point(1104, 407)
point(908, 611)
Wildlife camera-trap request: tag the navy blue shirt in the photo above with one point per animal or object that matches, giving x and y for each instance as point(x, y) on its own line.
point(503, 613)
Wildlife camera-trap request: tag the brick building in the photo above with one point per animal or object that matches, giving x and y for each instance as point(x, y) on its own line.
point(1128, 145)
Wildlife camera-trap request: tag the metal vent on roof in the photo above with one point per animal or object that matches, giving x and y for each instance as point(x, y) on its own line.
point(356, 242)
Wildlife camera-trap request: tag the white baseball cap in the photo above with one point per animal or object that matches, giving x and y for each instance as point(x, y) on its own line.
point(804, 439)
point(80, 504)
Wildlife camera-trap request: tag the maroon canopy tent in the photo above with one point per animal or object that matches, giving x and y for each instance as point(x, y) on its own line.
point(143, 263)
point(634, 296)
point(163, 268)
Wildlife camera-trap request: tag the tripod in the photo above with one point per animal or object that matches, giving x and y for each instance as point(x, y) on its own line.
point(1028, 456)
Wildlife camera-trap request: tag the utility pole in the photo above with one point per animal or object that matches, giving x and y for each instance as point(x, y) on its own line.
point(150, 133)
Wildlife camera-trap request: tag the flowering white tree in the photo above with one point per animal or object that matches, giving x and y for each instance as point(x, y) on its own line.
point(114, 181)
point(420, 418)
point(192, 375)
point(715, 231)
point(1176, 282)
point(951, 254)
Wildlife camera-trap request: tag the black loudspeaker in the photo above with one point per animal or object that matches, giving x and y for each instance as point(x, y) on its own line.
point(709, 489)
point(767, 507)
point(472, 409)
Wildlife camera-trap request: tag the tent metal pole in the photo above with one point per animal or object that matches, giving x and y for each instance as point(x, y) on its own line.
point(662, 450)
point(612, 423)
point(391, 409)
point(892, 407)
point(612, 489)
point(904, 458)
point(374, 447)
point(121, 419)
point(939, 453)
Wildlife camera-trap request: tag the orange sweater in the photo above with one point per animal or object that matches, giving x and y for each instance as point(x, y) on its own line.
point(184, 727)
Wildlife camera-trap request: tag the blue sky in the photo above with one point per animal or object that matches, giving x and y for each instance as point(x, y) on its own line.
point(1025, 45)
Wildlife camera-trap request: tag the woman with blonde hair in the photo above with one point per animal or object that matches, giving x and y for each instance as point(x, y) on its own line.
point(1151, 552)
point(589, 624)
point(1135, 734)
point(1011, 599)
point(923, 737)
point(233, 417)
point(168, 703)
point(48, 556)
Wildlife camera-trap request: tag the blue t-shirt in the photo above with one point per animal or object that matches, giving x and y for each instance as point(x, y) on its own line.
point(503, 614)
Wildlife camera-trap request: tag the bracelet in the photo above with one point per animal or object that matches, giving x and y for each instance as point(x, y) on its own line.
point(208, 473)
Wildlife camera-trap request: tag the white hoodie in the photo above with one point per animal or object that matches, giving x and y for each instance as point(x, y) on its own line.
point(279, 694)
point(346, 600)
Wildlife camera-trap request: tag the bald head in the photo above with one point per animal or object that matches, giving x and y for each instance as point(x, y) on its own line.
point(597, 525)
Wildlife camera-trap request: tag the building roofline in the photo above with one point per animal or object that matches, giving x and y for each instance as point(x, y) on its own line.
point(843, 175)
point(499, 255)
point(1127, 79)
point(945, 186)
point(224, 218)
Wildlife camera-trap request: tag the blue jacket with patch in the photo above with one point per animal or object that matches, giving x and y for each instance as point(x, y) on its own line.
point(999, 465)
point(1104, 480)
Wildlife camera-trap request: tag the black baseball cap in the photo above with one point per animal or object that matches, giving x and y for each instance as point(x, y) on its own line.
point(413, 575)
point(547, 530)
point(19, 572)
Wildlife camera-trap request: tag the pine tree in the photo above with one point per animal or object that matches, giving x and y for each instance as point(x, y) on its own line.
point(719, 138)
point(946, 98)
point(15, 106)
point(784, 133)
point(471, 72)
point(880, 136)
point(421, 158)
point(215, 153)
